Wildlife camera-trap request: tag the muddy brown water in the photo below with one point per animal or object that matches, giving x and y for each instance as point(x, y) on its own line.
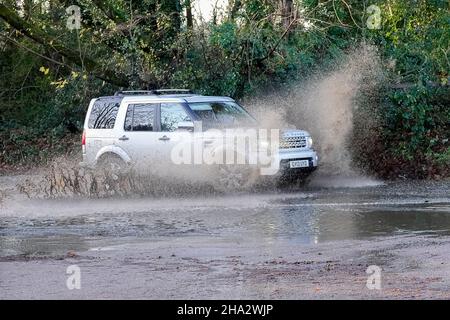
point(255, 228)
point(311, 215)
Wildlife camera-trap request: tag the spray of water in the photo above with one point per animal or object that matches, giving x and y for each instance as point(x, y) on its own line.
point(325, 105)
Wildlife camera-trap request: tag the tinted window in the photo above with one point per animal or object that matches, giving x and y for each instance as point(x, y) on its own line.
point(129, 118)
point(103, 114)
point(171, 114)
point(140, 117)
point(222, 114)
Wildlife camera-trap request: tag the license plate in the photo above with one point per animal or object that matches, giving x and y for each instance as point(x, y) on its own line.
point(299, 163)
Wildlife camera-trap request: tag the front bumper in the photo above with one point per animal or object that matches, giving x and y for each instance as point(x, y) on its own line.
point(286, 171)
point(285, 156)
point(280, 162)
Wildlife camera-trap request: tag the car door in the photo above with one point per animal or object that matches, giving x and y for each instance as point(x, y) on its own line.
point(139, 135)
point(176, 131)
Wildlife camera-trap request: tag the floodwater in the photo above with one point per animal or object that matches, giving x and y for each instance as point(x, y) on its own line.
point(314, 242)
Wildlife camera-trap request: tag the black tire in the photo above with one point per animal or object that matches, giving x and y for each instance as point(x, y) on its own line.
point(235, 178)
point(111, 163)
point(287, 181)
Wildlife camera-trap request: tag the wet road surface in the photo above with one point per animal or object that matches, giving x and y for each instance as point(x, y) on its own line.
point(312, 243)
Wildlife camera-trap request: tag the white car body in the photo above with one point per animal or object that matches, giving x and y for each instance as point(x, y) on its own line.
point(152, 149)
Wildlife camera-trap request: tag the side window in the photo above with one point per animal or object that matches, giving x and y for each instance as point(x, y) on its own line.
point(129, 118)
point(103, 114)
point(171, 114)
point(140, 117)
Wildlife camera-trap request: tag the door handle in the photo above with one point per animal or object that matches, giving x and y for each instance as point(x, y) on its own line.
point(164, 138)
point(124, 138)
point(208, 141)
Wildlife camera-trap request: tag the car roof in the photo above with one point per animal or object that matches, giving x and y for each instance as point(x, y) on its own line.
point(180, 98)
point(200, 98)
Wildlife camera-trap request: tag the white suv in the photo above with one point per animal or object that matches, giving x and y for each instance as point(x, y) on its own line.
point(146, 130)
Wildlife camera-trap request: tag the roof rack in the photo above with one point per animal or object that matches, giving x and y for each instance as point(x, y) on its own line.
point(131, 92)
point(153, 92)
point(173, 91)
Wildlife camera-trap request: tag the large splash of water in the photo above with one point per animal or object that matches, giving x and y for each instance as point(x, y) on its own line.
point(325, 105)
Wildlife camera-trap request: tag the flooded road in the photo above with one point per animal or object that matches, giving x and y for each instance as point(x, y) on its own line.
point(311, 243)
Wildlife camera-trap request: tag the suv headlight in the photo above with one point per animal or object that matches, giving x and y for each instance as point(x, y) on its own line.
point(309, 142)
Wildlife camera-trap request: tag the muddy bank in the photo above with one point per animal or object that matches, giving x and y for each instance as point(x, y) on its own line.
point(412, 268)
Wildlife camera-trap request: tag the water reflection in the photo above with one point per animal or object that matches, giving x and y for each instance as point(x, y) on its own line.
point(301, 220)
point(321, 223)
point(36, 247)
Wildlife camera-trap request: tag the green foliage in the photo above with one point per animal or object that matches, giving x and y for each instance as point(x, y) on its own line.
point(45, 89)
point(422, 119)
point(415, 35)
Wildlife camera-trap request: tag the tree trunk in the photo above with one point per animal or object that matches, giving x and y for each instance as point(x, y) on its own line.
point(27, 8)
point(287, 12)
point(171, 8)
point(234, 5)
point(189, 19)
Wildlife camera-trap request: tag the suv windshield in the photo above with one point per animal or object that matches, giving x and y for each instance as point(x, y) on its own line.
point(222, 114)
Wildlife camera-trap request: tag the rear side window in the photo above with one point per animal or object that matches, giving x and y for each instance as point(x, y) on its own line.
point(103, 114)
point(140, 117)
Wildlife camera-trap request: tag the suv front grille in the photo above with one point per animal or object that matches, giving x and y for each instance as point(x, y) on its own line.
point(293, 142)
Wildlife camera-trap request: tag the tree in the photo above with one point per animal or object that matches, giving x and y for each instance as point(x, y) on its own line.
point(189, 18)
point(42, 37)
point(234, 6)
point(287, 12)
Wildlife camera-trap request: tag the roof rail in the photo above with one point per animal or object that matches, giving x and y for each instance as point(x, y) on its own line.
point(131, 92)
point(173, 91)
point(153, 92)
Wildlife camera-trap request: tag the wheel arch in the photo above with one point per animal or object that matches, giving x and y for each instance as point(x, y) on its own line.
point(113, 150)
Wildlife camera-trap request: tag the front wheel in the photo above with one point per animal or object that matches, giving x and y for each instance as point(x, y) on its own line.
point(293, 180)
point(235, 178)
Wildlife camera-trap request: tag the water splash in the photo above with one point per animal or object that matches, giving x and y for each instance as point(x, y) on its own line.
point(325, 105)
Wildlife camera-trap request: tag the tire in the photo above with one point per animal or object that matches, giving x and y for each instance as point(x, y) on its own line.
point(235, 178)
point(293, 181)
point(111, 163)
